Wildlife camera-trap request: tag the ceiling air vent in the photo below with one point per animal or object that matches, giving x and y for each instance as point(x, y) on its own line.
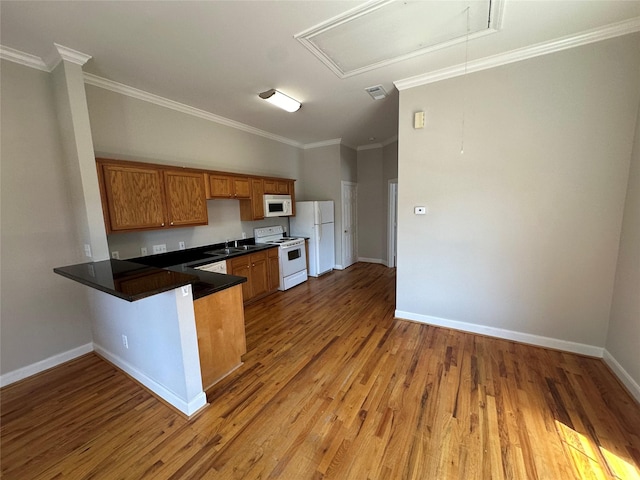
point(376, 92)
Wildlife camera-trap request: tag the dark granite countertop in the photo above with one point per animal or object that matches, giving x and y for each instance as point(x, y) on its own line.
point(142, 277)
point(194, 257)
point(128, 280)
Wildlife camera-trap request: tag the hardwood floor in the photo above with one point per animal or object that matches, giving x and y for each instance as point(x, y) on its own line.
point(333, 387)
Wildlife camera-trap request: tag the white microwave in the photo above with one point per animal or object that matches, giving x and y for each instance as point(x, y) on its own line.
point(277, 206)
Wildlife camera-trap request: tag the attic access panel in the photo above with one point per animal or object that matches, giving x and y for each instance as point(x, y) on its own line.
point(387, 31)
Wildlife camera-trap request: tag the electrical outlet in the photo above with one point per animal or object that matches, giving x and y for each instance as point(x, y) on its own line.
point(160, 248)
point(125, 341)
point(185, 290)
point(87, 250)
point(143, 251)
point(244, 235)
point(115, 254)
point(181, 245)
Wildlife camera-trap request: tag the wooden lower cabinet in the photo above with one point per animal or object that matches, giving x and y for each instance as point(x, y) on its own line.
point(221, 335)
point(255, 268)
point(274, 269)
point(261, 270)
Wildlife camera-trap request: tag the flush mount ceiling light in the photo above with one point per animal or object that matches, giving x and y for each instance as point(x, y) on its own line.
point(281, 100)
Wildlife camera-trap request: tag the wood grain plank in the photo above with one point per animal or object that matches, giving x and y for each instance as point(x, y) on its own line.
point(334, 387)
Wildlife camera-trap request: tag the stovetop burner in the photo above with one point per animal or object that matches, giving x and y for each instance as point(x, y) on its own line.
point(275, 235)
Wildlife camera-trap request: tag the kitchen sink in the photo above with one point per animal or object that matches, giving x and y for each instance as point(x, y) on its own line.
point(244, 248)
point(230, 250)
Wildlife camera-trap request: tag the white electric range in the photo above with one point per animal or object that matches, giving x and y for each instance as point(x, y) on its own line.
point(291, 252)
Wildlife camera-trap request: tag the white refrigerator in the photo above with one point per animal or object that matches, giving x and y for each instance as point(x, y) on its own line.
point(315, 221)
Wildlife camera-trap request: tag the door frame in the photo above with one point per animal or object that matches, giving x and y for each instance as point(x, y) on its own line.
point(392, 224)
point(344, 184)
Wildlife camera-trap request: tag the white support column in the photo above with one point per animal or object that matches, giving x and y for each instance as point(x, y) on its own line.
point(75, 130)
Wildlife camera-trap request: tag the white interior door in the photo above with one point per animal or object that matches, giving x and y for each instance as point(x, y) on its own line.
point(349, 224)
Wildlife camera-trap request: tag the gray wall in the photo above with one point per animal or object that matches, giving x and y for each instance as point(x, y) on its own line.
point(389, 172)
point(128, 128)
point(322, 171)
point(623, 337)
point(43, 314)
point(371, 205)
point(523, 229)
point(376, 167)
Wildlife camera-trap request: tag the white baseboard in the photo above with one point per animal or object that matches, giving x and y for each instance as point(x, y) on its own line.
point(46, 364)
point(538, 340)
point(623, 375)
point(338, 267)
point(371, 260)
point(187, 407)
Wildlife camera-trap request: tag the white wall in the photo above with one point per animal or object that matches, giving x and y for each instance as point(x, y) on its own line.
point(523, 229)
point(162, 343)
point(623, 338)
point(45, 317)
point(127, 128)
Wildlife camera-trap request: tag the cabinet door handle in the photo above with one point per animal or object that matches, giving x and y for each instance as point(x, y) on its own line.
point(171, 223)
point(162, 224)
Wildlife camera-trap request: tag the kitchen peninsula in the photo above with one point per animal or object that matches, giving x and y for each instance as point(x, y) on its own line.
point(175, 329)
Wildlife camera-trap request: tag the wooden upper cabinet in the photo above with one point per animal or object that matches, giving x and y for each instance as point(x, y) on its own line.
point(141, 196)
point(186, 198)
point(144, 197)
point(257, 198)
point(276, 186)
point(241, 188)
point(133, 197)
point(253, 208)
point(227, 186)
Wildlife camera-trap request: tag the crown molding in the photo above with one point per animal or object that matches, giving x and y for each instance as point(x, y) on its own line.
point(371, 146)
point(16, 56)
point(324, 143)
point(590, 36)
point(60, 53)
point(390, 140)
point(73, 56)
point(132, 92)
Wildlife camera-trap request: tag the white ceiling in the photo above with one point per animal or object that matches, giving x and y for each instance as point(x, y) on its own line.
point(218, 55)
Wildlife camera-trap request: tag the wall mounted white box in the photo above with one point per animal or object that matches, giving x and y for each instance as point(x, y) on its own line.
point(420, 210)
